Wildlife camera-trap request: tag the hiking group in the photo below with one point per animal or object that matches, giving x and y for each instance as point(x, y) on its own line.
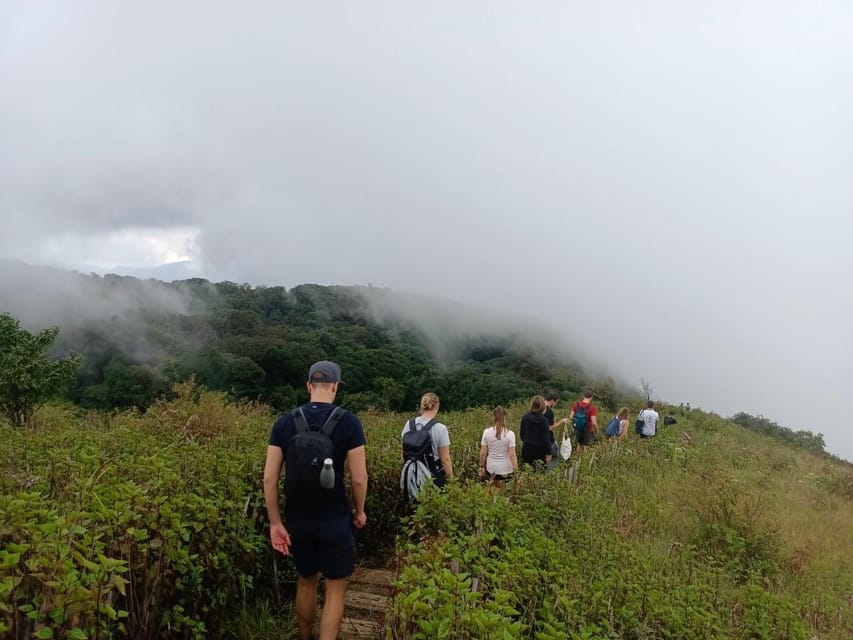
point(537, 427)
point(317, 443)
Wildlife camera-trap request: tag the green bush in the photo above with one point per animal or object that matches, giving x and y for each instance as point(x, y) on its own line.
point(598, 557)
point(152, 525)
point(134, 526)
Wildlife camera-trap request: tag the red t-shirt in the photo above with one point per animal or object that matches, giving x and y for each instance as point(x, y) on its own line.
point(590, 412)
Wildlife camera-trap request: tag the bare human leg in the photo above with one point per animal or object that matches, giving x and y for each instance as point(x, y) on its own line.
point(306, 604)
point(333, 608)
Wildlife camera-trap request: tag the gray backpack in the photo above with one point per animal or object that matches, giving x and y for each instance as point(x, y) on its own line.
point(419, 463)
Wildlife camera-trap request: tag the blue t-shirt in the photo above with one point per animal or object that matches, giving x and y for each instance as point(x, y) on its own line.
point(348, 434)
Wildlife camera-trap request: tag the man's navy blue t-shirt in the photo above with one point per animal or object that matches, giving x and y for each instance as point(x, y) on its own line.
point(348, 434)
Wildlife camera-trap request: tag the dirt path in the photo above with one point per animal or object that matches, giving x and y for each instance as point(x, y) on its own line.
point(368, 594)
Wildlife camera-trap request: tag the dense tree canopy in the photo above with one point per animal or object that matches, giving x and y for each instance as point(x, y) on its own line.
point(258, 342)
point(28, 377)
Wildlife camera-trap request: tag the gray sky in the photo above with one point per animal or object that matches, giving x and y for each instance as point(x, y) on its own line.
point(669, 184)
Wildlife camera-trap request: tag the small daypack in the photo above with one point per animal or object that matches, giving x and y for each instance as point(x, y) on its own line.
point(581, 418)
point(613, 427)
point(419, 463)
point(640, 423)
point(305, 455)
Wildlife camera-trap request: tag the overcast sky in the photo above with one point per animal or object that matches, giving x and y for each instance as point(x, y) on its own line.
point(670, 184)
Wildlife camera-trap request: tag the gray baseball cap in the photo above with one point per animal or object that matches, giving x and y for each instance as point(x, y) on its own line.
point(325, 371)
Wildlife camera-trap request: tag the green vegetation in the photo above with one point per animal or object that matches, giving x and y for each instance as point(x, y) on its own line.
point(723, 535)
point(27, 376)
point(256, 343)
point(151, 525)
point(801, 438)
point(131, 526)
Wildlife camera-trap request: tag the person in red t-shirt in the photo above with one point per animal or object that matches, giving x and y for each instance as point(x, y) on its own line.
point(583, 418)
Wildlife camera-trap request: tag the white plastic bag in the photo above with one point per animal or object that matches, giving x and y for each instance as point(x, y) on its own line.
point(566, 446)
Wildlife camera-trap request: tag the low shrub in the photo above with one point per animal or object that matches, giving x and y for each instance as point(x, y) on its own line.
point(152, 525)
point(129, 527)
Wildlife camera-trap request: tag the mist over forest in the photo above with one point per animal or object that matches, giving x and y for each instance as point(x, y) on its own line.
point(649, 200)
point(138, 337)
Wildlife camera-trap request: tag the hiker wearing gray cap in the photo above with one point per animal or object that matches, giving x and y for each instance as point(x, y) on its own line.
point(316, 443)
point(324, 371)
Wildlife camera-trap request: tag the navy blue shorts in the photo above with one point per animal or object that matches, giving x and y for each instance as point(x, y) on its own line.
point(322, 546)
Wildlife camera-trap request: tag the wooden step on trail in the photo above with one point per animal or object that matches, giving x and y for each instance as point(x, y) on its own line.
point(367, 598)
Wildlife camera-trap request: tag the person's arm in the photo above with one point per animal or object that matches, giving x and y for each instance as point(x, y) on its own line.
point(279, 537)
point(559, 423)
point(484, 452)
point(513, 458)
point(593, 420)
point(623, 429)
point(357, 463)
point(444, 456)
point(549, 441)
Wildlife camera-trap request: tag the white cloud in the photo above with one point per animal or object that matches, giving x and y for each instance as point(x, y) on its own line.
point(130, 247)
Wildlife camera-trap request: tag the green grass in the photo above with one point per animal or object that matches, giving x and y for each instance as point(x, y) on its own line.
point(104, 517)
point(732, 535)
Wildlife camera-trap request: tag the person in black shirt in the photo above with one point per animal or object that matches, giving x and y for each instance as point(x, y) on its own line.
point(551, 400)
point(536, 436)
point(319, 537)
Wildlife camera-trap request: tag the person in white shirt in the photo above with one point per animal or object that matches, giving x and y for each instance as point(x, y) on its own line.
point(650, 421)
point(498, 459)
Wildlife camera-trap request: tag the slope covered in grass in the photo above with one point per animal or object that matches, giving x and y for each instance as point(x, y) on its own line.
point(151, 525)
point(722, 534)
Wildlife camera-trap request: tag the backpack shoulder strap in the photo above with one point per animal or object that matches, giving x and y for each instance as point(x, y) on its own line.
point(412, 424)
point(333, 420)
point(429, 425)
point(299, 420)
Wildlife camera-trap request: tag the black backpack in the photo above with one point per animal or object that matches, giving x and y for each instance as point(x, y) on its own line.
point(417, 444)
point(305, 455)
point(639, 424)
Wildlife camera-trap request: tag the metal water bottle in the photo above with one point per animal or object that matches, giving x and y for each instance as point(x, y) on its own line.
point(327, 474)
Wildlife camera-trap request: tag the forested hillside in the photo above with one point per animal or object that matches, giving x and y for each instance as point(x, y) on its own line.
point(138, 337)
point(149, 523)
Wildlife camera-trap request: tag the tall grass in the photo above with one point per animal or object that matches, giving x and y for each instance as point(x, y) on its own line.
point(725, 534)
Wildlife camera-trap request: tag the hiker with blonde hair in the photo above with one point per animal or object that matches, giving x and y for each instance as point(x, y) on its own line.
point(498, 460)
point(426, 449)
point(618, 425)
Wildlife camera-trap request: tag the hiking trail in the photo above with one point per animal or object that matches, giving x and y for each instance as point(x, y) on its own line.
point(367, 598)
